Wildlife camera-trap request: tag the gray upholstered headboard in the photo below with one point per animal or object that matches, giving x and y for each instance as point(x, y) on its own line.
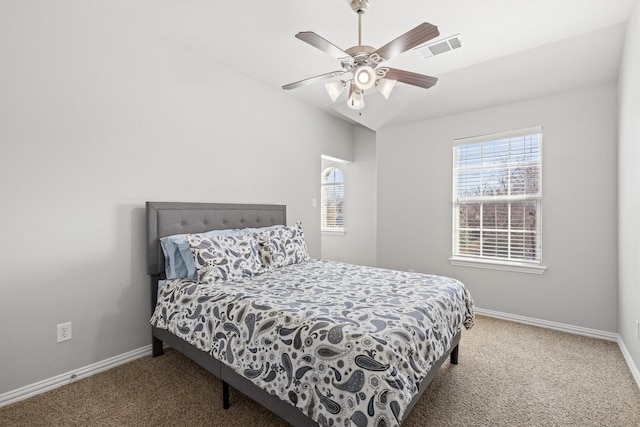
point(168, 218)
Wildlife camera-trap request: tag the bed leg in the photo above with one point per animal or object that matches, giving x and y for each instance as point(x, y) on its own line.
point(225, 395)
point(454, 355)
point(156, 346)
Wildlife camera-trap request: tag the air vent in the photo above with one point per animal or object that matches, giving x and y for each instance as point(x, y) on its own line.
point(439, 46)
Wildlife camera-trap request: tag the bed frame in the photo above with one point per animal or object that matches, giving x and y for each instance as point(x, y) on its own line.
point(169, 218)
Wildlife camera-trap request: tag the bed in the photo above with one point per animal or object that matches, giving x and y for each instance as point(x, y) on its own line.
point(314, 341)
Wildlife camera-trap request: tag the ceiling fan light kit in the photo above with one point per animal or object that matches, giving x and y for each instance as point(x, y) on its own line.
point(385, 86)
point(363, 61)
point(356, 98)
point(364, 77)
point(335, 88)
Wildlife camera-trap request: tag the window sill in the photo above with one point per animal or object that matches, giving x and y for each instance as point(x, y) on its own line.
point(333, 232)
point(498, 265)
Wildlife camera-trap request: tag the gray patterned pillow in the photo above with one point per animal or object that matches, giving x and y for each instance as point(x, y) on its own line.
point(225, 257)
point(283, 246)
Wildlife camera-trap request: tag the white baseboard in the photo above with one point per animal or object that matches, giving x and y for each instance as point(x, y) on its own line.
point(594, 333)
point(69, 377)
point(563, 327)
point(627, 357)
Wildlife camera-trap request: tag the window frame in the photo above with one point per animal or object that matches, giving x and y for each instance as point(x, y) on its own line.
point(337, 230)
point(496, 262)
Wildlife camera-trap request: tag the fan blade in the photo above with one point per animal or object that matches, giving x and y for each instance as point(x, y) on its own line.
point(408, 77)
point(324, 45)
point(315, 79)
point(412, 38)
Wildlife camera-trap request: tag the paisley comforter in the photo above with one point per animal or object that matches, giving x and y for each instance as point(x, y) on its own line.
point(347, 345)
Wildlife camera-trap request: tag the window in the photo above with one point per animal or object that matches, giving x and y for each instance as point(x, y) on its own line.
point(332, 200)
point(497, 196)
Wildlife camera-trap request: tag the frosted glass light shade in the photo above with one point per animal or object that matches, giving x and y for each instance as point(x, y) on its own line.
point(334, 89)
point(356, 100)
point(385, 86)
point(364, 77)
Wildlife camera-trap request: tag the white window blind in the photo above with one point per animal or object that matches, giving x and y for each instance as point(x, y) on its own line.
point(332, 200)
point(497, 195)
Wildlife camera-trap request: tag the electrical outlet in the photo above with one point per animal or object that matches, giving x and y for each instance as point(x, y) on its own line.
point(64, 332)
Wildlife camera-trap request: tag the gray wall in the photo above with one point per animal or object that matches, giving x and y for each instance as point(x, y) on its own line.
point(579, 222)
point(629, 190)
point(358, 244)
point(95, 119)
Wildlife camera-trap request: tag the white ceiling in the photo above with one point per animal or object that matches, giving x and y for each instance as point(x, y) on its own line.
point(512, 49)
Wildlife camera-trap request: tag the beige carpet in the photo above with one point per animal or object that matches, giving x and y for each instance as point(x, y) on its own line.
point(509, 375)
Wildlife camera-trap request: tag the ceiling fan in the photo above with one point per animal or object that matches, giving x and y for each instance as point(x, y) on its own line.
point(363, 62)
